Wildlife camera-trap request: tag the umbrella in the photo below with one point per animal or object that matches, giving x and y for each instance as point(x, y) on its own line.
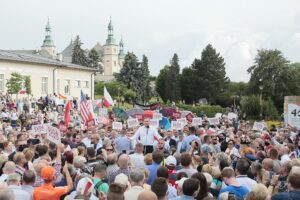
point(165, 123)
point(135, 111)
point(120, 113)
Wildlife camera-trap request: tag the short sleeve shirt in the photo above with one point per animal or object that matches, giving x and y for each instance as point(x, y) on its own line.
point(47, 192)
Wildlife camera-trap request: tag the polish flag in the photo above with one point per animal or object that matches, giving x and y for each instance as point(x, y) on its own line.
point(107, 100)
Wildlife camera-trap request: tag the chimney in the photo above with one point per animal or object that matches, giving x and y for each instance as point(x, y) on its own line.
point(59, 57)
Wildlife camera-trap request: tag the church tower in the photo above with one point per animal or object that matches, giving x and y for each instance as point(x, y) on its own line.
point(48, 45)
point(111, 53)
point(121, 53)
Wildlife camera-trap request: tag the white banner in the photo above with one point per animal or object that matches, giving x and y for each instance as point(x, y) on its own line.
point(132, 122)
point(213, 121)
point(53, 134)
point(176, 125)
point(117, 126)
point(197, 121)
point(259, 126)
point(40, 128)
point(218, 115)
point(232, 115)
point(293, 116)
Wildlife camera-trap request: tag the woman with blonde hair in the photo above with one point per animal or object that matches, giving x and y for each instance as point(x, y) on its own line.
point(29, 154)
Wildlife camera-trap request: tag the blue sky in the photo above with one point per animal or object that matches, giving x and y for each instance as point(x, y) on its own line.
point(159, 28)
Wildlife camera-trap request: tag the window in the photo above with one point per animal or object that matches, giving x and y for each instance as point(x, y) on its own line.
point(1, 82)
point(67, 87)
point(77, 83)
point(86, 84)
point(44, 85)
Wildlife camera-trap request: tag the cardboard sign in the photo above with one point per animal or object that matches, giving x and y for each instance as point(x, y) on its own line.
point(213, 121)
point(293, 115)
point(117, 126)
point(154, 123)
point(157, 116)
point(103, 112)
point(176, 125)
point(40, 128)
point(259, 126)
point(197, 121)
point(189, 117)
point(176, 115)
point(183, 121)
point(218, 115)
point(232, 115)
point(132, 122)
point(90, 123)
point(53, 134)
point(140, 117)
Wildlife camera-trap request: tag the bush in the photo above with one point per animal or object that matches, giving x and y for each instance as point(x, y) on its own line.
point(269, 110)
point(209, 110)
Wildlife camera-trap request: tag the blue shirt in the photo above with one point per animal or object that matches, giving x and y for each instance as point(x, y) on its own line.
point(183, 197)
point(122, 143)
point(239, 191)
point(295, 195)
point(153, 172)
point(186, 142)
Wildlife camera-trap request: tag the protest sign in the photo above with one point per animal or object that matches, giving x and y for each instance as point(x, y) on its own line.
point(213, 121)
point(218, 115)
point(140, 117)
point(154, 123)
point(176, 115)
point(183, 121)
point(132, 122)
point(103, 112)
point(157, 116)
point(259, 126)
point(293, 115)
point(176, 125)
point(232, 115)
point(189, 117)
point(197, 121)
point(90, 123)
point(53, 134)
point(40, 128)
point(117, 126)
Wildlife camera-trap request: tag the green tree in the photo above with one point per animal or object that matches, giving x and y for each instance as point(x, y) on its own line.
point(172, 84)
point(188, 80)
point(79, 56)
point(27, 81)
point(270, 70)
point(145, 80)
point(210, 76)
point(160, 82)
point(130, 74)
point(94, 60)
point(14, 84)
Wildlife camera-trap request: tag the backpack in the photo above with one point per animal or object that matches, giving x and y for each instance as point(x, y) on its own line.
point(96, 192)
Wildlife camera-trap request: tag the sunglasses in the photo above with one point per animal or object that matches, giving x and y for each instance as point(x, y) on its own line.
point(109, 149)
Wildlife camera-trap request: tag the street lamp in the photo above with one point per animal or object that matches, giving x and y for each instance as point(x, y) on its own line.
point(261, 87)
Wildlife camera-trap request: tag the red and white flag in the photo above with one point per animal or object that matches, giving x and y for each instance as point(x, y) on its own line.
point(107, 100)
point(67, 112)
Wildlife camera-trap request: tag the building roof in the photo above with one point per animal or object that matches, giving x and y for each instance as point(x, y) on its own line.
point(31, 58)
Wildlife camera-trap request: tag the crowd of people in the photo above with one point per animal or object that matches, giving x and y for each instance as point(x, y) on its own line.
point(230, 160)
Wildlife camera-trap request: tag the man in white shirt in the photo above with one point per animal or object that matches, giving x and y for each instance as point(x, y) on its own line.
point(13, 182)
point(137, 158)
point(242, 167)
point(136, 178)
point(146, 135)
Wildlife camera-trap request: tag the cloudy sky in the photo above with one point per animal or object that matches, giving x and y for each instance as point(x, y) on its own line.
point(159, 28)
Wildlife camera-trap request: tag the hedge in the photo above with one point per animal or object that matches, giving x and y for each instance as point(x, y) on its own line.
point(209, 110)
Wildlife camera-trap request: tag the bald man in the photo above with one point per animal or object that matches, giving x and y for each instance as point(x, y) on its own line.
point(123, 162)
point(9, 168)
point(147, 195)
